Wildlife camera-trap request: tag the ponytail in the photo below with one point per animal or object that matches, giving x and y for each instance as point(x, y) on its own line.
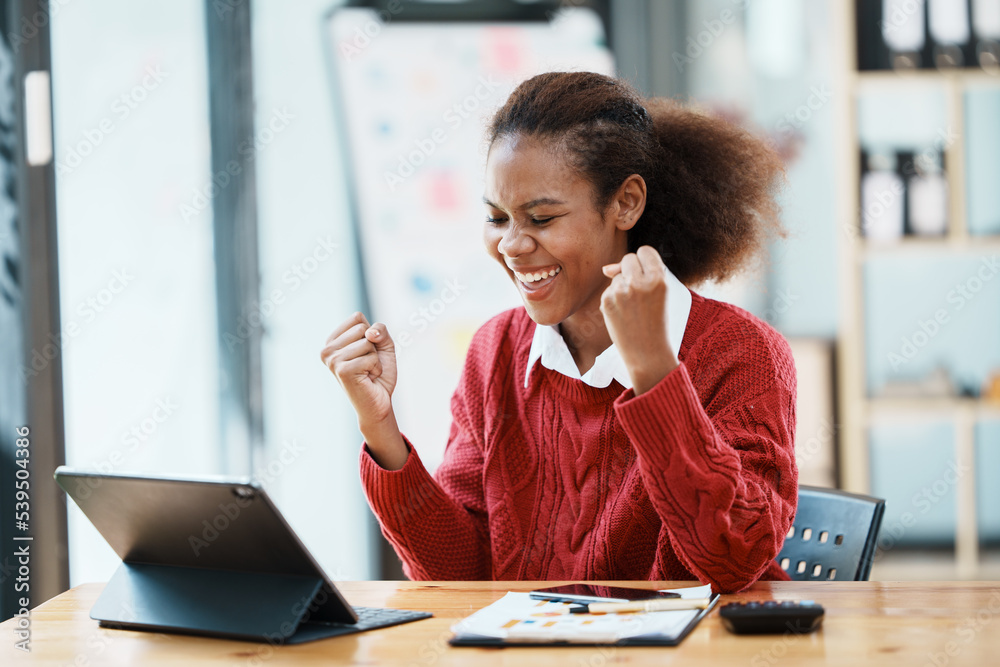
point(711, 186)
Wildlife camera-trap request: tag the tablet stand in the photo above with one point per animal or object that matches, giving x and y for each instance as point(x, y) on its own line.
point(219, 603)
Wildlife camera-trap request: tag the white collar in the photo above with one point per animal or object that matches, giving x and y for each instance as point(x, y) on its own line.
point(549, 346)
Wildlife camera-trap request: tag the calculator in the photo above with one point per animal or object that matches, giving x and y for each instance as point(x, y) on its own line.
point(772, 617)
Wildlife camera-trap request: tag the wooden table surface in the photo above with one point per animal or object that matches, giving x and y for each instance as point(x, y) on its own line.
point(866, 623)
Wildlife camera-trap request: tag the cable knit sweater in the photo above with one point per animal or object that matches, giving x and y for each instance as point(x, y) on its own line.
point(694, 479)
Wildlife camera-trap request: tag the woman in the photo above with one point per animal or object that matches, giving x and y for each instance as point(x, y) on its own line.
point(618, 426)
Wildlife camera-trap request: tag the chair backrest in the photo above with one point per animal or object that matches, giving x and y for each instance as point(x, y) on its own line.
point(833, 536)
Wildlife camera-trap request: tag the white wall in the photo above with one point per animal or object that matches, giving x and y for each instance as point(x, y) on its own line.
point(153, 339)
point(303, 207)
point(137, 281)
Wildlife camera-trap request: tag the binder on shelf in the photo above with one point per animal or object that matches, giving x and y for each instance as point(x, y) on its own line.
point(922, 34)
point(927, 196)
point(950, 31)
point(883, 195)
point(986, 27)
point(904, 32)
point(872, 50)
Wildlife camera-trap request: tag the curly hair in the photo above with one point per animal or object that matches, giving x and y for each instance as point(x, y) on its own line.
point(711, 185)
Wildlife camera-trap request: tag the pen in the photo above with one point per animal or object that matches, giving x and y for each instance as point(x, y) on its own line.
point(639, 605)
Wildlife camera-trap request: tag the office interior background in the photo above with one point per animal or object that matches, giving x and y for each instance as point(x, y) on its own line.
point(226, 180)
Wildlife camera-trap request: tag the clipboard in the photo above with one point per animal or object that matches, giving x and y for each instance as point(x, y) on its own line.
point(672, 638)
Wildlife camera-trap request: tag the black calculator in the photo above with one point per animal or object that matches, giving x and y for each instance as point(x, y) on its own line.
point(772, 617)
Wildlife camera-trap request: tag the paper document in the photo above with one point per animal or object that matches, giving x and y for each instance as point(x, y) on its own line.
point(516, 617)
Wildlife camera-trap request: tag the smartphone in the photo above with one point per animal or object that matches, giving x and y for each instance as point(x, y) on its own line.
point(593, 593)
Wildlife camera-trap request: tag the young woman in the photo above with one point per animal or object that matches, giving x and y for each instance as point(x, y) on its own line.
point(619, 426)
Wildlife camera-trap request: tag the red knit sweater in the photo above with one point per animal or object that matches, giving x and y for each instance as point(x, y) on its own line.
point(694, 479)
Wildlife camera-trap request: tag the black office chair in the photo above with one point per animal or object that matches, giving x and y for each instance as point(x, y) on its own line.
point(833, 536)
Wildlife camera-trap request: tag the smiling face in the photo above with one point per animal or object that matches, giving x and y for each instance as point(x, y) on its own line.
point(543, 228)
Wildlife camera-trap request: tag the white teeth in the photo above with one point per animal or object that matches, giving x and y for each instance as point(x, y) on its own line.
point(535, 277)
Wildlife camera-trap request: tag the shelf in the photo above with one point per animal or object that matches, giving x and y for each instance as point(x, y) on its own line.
point(917, 245)
point(875, 79)
point(879, 406)
point(856, 410)
point(932, 565)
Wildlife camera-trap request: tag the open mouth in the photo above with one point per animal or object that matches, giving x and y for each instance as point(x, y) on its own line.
point(532, 282)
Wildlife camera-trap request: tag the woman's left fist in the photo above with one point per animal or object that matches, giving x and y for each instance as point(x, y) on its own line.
point(634, 309)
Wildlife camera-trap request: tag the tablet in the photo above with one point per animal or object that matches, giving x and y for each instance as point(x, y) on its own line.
point(213, 557)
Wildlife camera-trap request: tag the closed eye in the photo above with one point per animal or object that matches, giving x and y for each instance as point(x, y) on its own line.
point(537, 221)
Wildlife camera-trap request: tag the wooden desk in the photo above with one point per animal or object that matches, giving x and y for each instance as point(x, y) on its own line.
point(867, 623)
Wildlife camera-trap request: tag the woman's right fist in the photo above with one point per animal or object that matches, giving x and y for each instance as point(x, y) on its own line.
point(363, 359)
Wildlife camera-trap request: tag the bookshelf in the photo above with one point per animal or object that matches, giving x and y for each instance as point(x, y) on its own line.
point(857, 410)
